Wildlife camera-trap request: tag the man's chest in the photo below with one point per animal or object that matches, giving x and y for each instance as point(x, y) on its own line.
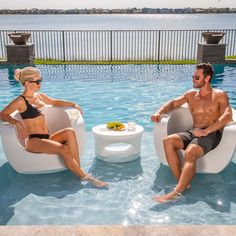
point(206, 104)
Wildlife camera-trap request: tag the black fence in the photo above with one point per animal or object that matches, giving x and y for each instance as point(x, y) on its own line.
point(117, 45)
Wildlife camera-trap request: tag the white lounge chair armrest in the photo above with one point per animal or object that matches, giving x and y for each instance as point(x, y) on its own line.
point(5, 123)
point(231, 123)
point(73, 113)
point(9, 133)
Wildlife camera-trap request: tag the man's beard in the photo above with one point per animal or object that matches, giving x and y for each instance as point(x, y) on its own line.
point(198, 85)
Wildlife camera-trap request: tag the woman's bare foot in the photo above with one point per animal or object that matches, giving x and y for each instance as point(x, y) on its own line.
point(174, 195)
point(96, 182)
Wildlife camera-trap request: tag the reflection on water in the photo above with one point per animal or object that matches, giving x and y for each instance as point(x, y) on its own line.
point(15, 187)
point(117, 92)
point(125, 93)
point(213, 189)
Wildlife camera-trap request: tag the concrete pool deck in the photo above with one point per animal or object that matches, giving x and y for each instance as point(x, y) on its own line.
point(118, 230)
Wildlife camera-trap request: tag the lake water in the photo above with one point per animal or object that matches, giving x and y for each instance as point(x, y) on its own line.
point(119, 22)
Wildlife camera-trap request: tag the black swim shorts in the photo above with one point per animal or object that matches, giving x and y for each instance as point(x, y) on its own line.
point(207, 143)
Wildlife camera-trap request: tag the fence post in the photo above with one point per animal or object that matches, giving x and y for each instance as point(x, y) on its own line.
point(158, 46)
point(110, 45)
point(63, 45)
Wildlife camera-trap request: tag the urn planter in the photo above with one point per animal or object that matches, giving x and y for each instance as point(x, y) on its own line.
point(19, 38)
point(212, 37)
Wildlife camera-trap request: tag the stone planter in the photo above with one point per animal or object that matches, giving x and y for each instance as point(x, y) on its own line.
point(212, 37)
point(19, 38)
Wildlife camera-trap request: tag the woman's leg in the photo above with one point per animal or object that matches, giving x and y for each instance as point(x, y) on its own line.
point(54, 147)
point(67, 136)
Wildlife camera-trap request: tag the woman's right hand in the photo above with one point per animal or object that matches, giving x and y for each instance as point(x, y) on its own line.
point(78, 108)
point(22, 133)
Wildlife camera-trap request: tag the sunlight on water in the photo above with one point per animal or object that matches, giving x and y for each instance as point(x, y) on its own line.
point(118, 22)
point(125, 93)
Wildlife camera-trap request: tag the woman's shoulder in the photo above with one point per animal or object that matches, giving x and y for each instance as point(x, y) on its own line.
point(19, 99)
point(16, 104)
point(41, 95)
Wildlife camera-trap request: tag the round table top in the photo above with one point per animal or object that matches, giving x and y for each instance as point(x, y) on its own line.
point(103, 130)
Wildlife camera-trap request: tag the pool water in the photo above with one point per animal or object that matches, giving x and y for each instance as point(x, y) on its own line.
point(123, 93)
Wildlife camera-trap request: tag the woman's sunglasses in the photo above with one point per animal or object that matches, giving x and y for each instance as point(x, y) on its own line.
point(36, 81)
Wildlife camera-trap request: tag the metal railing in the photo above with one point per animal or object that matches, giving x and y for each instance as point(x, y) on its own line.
point(117, 45)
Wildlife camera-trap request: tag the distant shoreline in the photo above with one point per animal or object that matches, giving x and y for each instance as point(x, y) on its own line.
point(116, 13)
point(130, 11)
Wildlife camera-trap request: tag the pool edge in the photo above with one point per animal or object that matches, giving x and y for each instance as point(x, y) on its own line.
point(119, 230)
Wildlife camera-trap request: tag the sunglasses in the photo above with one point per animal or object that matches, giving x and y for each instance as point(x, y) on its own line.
point(196, 77)
point(37, 81)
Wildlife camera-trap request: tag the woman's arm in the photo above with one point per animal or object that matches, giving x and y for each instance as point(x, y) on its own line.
point(59, 102)
point(5, 115)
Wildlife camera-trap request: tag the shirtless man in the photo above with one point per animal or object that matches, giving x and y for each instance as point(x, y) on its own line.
point(211, 111)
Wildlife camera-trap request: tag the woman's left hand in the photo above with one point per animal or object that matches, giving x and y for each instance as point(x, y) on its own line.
point(79, 108)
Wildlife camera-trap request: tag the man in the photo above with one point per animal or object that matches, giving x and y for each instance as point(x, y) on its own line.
point(211, 111)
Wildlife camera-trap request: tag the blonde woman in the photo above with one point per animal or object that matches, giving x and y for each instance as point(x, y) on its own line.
point(33, 125)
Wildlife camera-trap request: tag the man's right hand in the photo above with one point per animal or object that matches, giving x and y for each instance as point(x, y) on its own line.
point(156, 117)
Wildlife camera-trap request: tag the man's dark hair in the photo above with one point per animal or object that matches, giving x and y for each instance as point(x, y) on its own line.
point(207, 69)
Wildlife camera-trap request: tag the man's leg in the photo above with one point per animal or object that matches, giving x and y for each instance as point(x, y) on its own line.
point(171, 144)
point(192, 153)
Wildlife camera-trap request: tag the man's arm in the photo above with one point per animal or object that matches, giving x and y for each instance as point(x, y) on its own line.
point(225, 117)
point(169, 106)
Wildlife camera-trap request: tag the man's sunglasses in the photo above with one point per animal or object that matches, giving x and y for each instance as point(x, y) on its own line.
point(196, 77)
point(36, 81)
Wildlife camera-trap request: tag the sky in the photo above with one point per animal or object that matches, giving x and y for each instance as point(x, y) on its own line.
point(111, 4)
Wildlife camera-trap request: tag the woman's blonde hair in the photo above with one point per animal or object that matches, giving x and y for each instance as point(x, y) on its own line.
point(26, 74)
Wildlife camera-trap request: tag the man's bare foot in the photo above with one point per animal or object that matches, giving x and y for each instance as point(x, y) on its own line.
point(174, 195)
point(96, 182)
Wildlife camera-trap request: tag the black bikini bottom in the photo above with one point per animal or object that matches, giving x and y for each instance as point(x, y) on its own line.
point(41, 136)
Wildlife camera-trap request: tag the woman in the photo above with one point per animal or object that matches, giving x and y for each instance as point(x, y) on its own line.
point(33, 126)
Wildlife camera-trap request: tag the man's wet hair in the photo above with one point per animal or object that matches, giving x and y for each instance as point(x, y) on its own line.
point(207, 69)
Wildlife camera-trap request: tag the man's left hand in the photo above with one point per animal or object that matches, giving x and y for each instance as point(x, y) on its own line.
point(200, 133)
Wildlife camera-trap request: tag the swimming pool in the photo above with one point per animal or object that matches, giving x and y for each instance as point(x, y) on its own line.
point(124, 93)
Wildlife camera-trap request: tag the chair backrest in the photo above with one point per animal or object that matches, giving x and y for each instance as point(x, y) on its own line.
point(56, 119)
point(180, 120)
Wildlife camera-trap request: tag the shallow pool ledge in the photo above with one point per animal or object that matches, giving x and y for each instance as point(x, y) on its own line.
point(116, 230)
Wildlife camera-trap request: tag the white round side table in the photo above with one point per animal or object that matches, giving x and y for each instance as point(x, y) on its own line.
point(117, 146)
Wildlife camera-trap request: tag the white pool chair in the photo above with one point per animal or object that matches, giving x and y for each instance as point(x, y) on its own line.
point(180, 120)
point(37, 163)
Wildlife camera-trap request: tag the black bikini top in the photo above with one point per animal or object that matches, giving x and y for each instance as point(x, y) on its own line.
point(30, 112)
